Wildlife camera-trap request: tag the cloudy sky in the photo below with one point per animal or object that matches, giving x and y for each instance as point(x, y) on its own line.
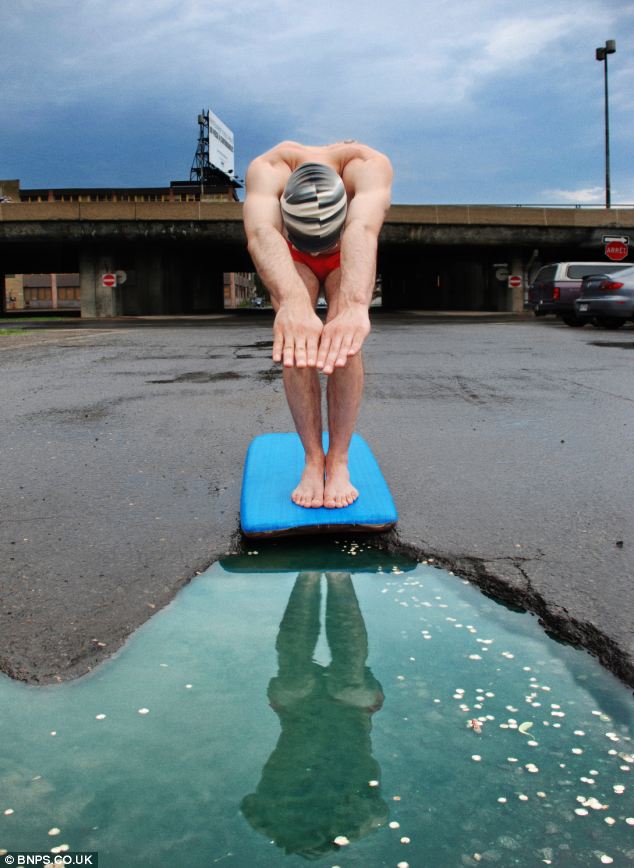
point(482, 101)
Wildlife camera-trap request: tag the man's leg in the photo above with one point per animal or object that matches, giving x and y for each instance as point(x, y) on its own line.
point(303, 393)
point(345, 388)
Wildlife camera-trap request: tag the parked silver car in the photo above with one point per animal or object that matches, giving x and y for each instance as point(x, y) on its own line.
point(607, 299)
point(557, 285)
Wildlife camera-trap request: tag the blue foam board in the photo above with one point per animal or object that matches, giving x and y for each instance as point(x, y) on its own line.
point(273, 467)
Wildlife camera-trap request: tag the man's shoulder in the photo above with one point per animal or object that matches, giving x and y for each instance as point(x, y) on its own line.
point(367, 167)
point(270, 169)
point(365, 153)
point(282, 153)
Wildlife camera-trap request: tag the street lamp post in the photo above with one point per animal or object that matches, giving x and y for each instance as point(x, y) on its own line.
point(602, 54)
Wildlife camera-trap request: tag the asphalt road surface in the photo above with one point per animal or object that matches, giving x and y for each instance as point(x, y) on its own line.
point(507, 445)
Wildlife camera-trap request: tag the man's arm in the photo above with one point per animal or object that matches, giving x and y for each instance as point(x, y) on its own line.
point(343, 336)
point(297, 328)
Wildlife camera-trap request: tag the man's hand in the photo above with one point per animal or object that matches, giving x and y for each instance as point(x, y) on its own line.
point(342, 337)
point(296, 333)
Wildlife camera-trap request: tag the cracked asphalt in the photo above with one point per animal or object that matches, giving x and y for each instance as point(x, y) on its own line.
point(507, 444)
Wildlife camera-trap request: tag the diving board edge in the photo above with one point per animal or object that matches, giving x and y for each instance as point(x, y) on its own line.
point(314, 529)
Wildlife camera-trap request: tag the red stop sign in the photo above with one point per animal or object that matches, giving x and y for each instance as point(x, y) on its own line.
point(109, 279)
point(616, 250)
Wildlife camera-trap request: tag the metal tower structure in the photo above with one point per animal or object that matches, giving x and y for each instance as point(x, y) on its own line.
point(201, 163)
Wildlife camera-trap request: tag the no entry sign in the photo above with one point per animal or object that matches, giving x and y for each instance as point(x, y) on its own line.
point(109, 279)
point(616, 246)
point(515, 281)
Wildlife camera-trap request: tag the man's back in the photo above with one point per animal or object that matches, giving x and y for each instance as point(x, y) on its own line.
point(288, 156)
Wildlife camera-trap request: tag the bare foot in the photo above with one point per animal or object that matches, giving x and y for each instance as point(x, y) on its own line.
point(338, 491)
point(310, 491)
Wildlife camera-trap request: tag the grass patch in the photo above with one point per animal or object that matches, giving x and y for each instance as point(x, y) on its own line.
point(13, 331)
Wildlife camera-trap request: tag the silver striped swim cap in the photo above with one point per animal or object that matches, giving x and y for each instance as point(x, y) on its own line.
point(314, 206)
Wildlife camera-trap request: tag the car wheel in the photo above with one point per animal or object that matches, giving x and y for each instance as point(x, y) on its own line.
point(610, 322)
point(572, 321)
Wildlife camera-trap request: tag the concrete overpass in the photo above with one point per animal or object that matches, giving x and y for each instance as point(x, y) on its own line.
point(430, 256)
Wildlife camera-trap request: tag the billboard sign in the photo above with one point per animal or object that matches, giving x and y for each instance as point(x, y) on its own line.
point(220, 145)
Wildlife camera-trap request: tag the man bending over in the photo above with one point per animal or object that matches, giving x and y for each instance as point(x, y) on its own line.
point(312, 216)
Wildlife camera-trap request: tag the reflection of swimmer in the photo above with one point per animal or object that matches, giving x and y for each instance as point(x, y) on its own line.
point(315, 785)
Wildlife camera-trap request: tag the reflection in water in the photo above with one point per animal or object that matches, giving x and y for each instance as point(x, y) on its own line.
point(316, 785)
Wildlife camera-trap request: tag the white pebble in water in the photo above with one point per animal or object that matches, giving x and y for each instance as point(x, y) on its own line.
point(373, 783)
point(100, 717)
point(189, 686)
point(618, 789)
point(403, 865)
point(54, 831)
point(581, 812)
point(607, 860)
point(405, 840)
point(144, 710)
point(341, 841)
point(8, 812)
point(629, 821)
point(476, 758)
point(395, 825)
point(610, 821)
point(502, 800)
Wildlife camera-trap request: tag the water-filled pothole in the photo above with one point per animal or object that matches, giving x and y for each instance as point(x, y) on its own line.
point(344, 707)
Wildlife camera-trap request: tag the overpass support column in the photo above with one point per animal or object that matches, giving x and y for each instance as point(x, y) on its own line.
point(517, 293)
point(151, 279)
point(96, 300)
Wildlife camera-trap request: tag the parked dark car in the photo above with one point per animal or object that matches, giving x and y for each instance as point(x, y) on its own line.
point(557, 286)
point(607, 299)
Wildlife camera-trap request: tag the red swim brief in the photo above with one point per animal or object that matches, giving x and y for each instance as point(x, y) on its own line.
point(321, 265)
